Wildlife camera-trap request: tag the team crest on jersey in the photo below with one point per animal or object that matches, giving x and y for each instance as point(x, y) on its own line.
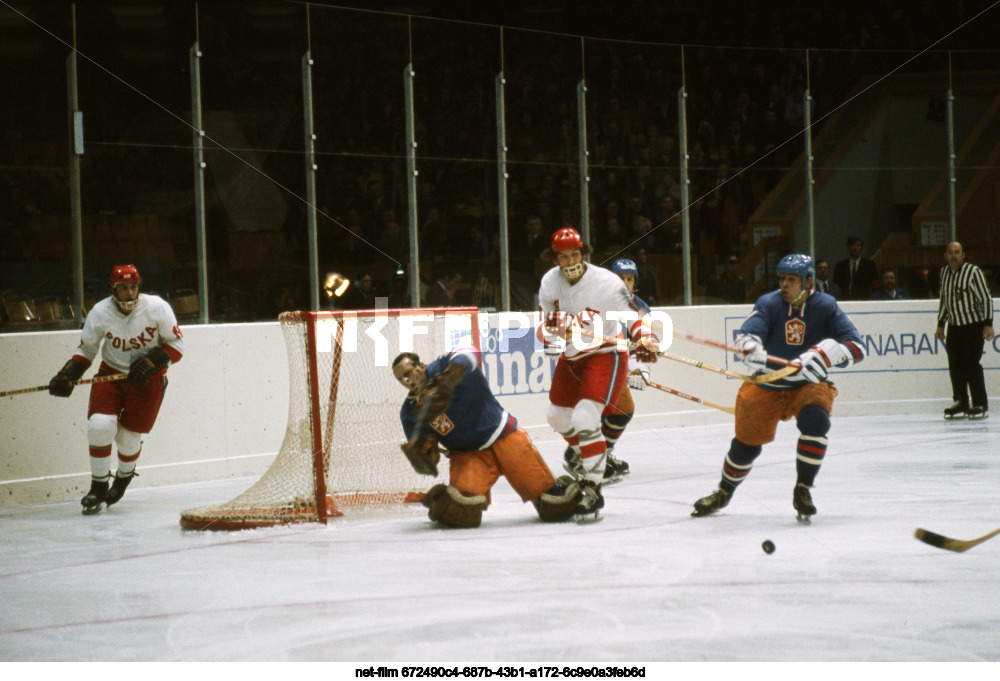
point(795, 331)
point(442, 424)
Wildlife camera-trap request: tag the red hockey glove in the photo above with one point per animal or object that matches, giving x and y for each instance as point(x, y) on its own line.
point(647, 348)
point(558, 324)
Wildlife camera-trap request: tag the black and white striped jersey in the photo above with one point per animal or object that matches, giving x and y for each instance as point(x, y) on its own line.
point(965, 298)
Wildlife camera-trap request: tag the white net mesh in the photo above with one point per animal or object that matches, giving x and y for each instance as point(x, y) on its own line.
point(344, 404)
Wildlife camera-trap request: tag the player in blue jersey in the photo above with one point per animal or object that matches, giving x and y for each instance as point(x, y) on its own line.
point(794, 323)
point(616, 419)
point(450, 403)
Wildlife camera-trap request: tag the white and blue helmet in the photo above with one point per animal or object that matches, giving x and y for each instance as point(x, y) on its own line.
point(799, 264)
point(625, 266)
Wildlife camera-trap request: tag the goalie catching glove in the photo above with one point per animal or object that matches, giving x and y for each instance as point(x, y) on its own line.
point(436, 396)
point(423, 454)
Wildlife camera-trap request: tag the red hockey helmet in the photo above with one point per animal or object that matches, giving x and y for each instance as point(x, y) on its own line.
point(124, 274)
point(566, 239)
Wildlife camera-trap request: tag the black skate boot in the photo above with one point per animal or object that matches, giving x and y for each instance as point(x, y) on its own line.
point(956, 411)
point(118, 487)
point(572, 464)
point(588, 509)
point(615, 470)
point(95, 497)
point(976, 413)
point(713, 502)
point(803, 503)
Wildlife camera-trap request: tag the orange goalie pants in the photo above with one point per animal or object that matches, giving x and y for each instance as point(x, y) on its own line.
point(758, 410)
point(514, 457)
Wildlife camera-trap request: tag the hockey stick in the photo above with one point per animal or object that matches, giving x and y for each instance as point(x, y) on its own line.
point(957, 545)
point(651, 384)
point(96, 379)
point(718, 344)
point(762, 378)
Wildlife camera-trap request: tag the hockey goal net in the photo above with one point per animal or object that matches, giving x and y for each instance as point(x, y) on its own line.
point(341, 445)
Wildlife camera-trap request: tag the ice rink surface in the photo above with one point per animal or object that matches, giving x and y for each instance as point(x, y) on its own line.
point(647, 584)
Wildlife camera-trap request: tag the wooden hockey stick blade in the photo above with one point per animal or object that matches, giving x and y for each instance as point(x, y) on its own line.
point(957, 545)
point(718, 344)
point(761, 378)
point(96, 379)
point(678, 393)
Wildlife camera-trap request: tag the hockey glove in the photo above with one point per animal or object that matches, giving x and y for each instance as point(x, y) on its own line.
point(558, 324)
point(647, 349)
point(436, 395)
point(814, 367)
point(146, 366)
point(62, 383)
point(423, 454)
point(638, 373)
point(754, 354)
point(637, 380)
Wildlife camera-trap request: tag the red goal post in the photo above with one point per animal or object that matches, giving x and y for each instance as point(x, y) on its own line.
point(341, 444)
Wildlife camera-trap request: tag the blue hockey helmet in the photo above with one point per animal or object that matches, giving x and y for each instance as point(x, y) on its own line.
point(624, 266)
point(799, 264)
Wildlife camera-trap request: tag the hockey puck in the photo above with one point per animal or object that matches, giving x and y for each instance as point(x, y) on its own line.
point(768, 546)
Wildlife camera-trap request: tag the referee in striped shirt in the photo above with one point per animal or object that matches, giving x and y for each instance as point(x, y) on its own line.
point(967, 308)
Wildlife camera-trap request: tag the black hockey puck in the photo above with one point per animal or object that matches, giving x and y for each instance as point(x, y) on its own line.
point(768, 546)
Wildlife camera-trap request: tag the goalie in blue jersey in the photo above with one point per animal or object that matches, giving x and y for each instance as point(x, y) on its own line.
point(792, 323)
point(450, 405)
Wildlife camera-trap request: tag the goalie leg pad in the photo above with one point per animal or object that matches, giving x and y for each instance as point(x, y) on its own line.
point(453, 509)
point(558, 504)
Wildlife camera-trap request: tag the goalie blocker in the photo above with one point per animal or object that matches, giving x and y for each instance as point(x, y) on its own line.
point(450, 402)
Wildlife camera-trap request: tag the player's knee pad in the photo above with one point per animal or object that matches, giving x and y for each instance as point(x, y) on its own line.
point(129, 442)
point(743, 454)
point(587, 419)
point(451, 508)
point(558, 503)
point(560, 419)
point(813, 420)
point(101, 429)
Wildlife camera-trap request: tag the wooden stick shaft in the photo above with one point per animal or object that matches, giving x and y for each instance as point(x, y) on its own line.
point(718, 344)
point(762, 378)
point(678, 393)
point(96, 379)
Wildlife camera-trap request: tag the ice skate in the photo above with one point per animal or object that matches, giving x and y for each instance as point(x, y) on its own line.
point(117, 490)
point(572, 464)
point(956, 411)
point(976, 413)
point(803, 503)
point(588, 509)
point(713, 502)
point(93, 502)
point(615, 470)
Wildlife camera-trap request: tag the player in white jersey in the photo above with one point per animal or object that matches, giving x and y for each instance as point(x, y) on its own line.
point(616, 419)
point(137, 334)
point(589, 376)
